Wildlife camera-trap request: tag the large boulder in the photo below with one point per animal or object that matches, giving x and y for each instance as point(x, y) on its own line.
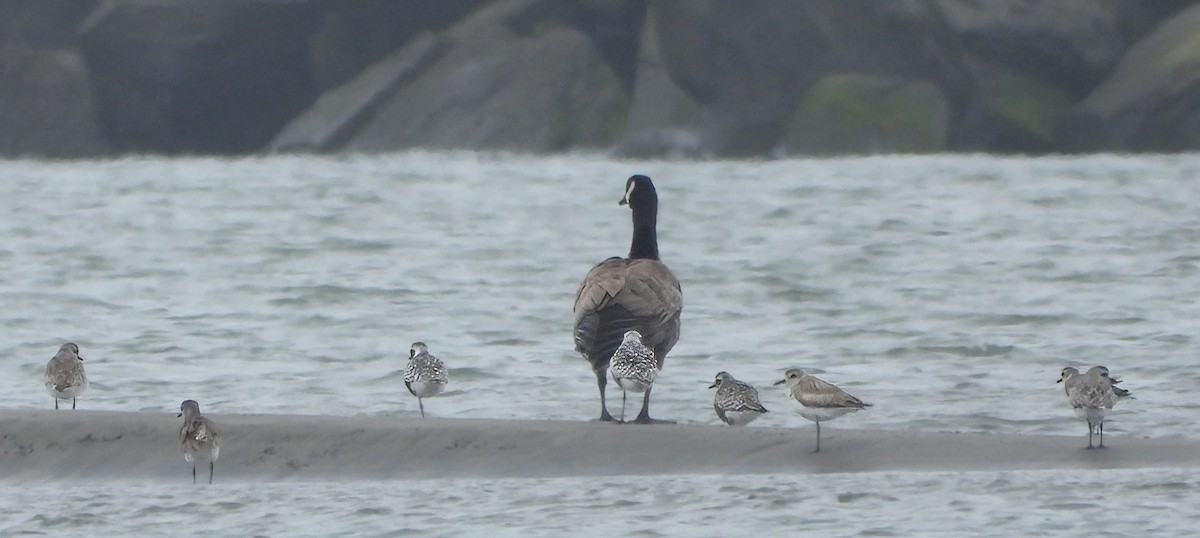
point(341, 113)
point(515, 75)
point(749, 65)
point(663, 119)
point(220, 76)
point(1149, 101)
point(1073, 42)
point(851, 113)
point(46, 103)
point(1027, 62)
point(356, 33)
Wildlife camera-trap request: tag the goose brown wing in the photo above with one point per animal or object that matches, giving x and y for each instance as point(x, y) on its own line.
point(621, 294)
point(816, 392)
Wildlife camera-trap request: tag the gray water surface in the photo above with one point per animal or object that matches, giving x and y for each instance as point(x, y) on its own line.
point(947, 290)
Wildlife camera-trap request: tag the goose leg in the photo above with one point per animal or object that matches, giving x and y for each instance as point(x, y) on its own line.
point(644, 416)
point(1101, 428)
point(72, 403)
point(601, 382)
point(1091, 429)
point(56, 403)
point(193, 472)
point(210, 470)
point(421, 405)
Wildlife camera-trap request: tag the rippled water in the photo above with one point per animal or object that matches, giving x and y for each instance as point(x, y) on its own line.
point(948, 290)
point(1115, 503)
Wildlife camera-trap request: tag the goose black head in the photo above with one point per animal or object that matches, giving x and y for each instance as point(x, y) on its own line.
point(639, 193)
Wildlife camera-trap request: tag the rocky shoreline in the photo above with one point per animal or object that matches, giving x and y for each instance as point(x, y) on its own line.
point(638, 78)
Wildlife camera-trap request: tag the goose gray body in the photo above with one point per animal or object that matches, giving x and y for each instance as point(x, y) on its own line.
point(198, 438)
point(65, 378)
point(637, 293)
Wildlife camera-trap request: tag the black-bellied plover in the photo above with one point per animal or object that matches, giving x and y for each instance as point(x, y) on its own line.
point(198, 438)
point(735, 402)
point(633, 367)
point(818, 399)
point(1091, 395)
point(425, 374)
point(65, 377)
point(635, 293)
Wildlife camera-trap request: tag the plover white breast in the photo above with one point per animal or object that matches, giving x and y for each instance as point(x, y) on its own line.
point(65, 378)
point(818, 399)
point(735, 402)
point(425, 375)
point(1091, 395)
point(198, 438)
point(633, 368)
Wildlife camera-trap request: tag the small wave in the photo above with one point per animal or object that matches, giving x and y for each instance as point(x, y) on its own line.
point(983, 350)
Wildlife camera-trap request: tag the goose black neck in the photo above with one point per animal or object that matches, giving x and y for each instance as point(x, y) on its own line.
point(645, 234)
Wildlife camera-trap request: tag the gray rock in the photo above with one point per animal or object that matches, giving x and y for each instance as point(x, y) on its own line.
point(46, 105)
point(342, 112)
point(356, 33)
point(515, 76)
point(220, 76)
point(1149, 101)
point(663, 120)
point(748, 65)
point(1074, 42)
point(867, 114)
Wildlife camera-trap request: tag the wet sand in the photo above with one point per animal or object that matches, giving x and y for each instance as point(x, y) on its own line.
point(47, 445)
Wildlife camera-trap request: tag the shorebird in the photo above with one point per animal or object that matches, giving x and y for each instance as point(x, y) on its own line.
point(735, 402)
point(65, 377)
point(1091, 395)
point(637, 293)
point(425, 374)
point(198, 437)
point(818, 399)
point(633, 367)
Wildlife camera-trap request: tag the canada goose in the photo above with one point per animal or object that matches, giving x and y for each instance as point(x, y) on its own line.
point(638, 293)
point(818, 399)
point(425, 374)
point(65, 377)
point(198, 437)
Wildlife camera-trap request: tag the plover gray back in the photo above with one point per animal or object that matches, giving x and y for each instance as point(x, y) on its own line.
point(1091, 396)
point(65, 377)
point(735, 402)
point(425, 375)
point(818, 399)
point(198, 438)
point(632, 367)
